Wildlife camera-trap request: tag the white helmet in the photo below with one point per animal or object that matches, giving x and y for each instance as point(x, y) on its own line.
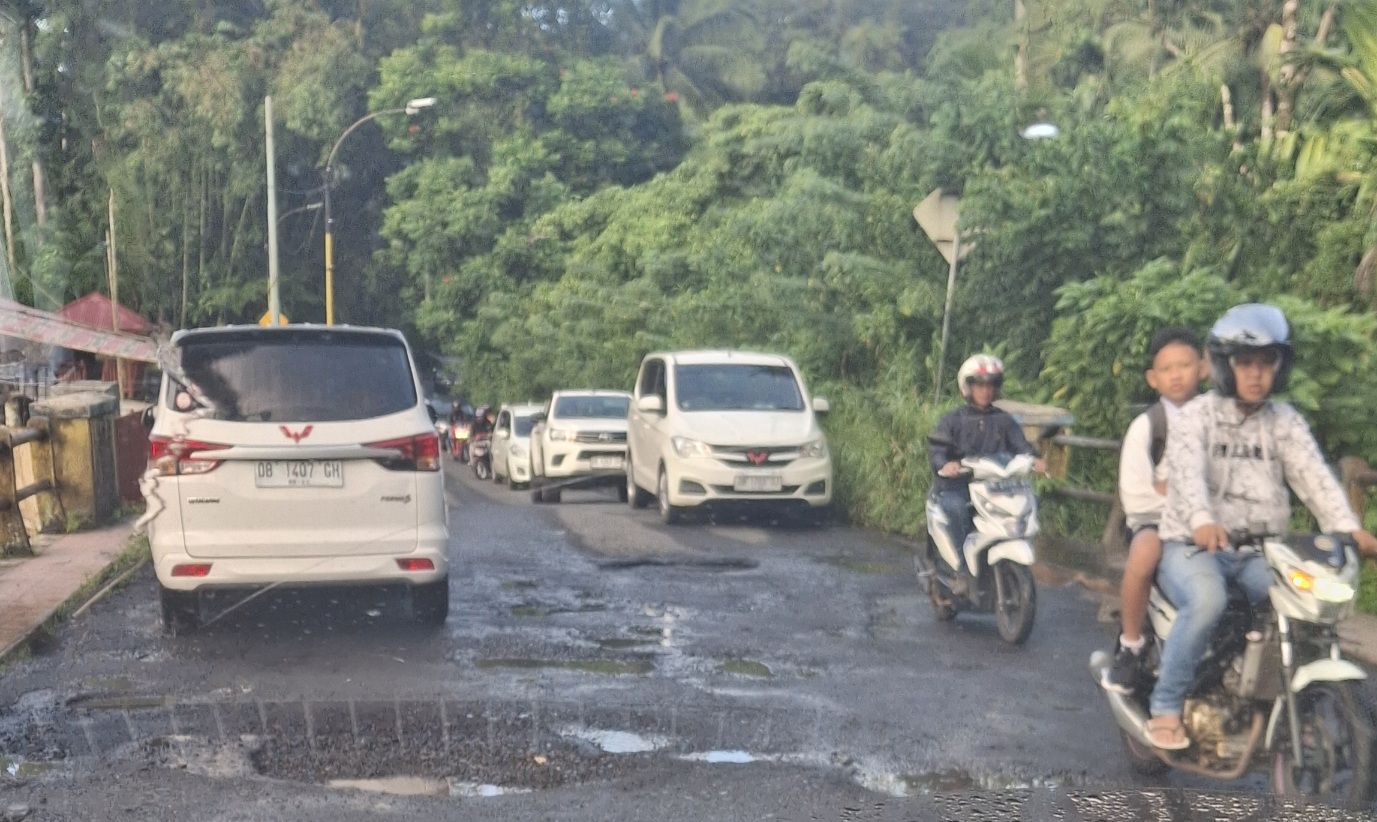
point(980, 368)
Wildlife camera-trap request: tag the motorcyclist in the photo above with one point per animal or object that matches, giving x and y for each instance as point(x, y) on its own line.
point(1230, 455)
point(977, 428)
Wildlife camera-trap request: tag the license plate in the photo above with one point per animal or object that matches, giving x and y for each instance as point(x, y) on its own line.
point(299, 474)
point(759, 483)
point(606, 463)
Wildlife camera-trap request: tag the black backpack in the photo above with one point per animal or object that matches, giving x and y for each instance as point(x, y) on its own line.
point(1157, 424)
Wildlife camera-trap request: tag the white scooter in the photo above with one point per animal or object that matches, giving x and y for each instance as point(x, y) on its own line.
point(991, 571)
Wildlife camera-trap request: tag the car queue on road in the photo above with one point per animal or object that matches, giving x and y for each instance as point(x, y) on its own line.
point(701, 432)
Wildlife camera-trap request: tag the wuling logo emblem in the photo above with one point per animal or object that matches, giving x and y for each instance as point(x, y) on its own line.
point(757, 457)
point(296, 436)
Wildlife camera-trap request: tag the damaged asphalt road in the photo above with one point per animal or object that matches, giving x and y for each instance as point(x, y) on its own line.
point(595, 665)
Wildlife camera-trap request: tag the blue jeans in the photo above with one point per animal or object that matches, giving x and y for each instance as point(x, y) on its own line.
point(1195, 581)
point(956, 504)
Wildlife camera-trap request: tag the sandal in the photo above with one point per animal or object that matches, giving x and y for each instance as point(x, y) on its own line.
point(1167, 733)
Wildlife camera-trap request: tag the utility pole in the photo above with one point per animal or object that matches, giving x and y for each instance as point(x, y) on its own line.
point(274, 300)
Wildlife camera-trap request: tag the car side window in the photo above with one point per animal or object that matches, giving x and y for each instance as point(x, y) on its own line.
point(659, 387)
point(653, 379)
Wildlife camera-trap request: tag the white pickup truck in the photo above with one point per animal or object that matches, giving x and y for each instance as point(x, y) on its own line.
point(580, 434)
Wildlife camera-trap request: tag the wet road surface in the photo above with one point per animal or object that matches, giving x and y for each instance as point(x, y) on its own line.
point(595, 665)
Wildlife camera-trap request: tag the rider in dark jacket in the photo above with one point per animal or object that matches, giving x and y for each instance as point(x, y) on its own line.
point(975, 429)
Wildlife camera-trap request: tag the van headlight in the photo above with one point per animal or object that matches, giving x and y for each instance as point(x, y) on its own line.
point(817, 449)
point(686, 448)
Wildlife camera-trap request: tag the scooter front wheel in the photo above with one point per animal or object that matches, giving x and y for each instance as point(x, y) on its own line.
point(1016, 601)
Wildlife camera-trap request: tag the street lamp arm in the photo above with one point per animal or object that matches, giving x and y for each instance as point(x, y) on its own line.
point(330, 160)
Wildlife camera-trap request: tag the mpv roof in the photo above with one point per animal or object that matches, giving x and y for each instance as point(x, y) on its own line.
point(722, 356)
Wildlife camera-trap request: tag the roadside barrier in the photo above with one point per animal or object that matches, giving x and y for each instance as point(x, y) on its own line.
point(1355, 474)
point(35, 438)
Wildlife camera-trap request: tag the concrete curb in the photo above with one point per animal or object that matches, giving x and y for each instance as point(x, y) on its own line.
point(79, 589)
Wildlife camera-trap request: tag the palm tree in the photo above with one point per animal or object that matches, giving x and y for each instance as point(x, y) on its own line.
point(699, 52)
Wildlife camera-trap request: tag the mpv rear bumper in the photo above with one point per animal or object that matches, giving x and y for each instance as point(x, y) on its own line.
point(380, 569)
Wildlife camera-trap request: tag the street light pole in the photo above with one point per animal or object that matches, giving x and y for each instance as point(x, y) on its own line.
point(411, 108)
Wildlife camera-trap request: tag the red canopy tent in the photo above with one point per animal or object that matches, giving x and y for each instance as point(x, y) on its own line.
point(97, 311)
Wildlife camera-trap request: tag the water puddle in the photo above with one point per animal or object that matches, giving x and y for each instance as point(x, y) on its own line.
point(606, 667)
point(746, 667)
point(618, 742)
point(396, 785)
point(722, 757)
point(425, 786)
point(541, 612)
point(953, 780)
point(622, 643)
point(863, 566)
point(18, 768)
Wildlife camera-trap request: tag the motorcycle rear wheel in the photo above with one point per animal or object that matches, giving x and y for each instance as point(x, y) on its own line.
point(1142, 760)
point(1016, 601)
point(1339, 732)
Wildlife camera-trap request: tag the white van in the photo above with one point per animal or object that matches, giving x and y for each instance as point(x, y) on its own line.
point(295, 455)
point(726, 429)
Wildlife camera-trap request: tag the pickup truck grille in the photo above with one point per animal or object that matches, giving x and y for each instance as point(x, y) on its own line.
point(601, 436)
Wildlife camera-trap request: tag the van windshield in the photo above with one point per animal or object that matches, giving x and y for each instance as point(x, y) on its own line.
point(735, 387)
point(298, 377)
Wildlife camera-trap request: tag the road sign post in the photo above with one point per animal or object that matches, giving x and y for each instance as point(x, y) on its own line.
point(937, 215)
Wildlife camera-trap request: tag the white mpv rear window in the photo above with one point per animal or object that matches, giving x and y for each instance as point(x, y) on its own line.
point(307, 376)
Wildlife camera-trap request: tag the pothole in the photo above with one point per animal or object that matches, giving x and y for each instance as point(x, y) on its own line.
point(471, 755)
point(691, 562)
point(605, 667)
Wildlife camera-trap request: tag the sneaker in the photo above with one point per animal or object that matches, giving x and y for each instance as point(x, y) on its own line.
point(1123, 675)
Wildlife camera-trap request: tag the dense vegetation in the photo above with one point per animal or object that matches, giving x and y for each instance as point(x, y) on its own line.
point(605, 178)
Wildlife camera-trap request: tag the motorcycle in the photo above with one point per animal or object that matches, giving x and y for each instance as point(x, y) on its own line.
point(1273, 692)
point(480, 456)
point(991, 572)
point(459, 441)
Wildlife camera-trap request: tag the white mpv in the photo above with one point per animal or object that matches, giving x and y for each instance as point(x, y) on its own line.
point(294, 455)
point(724, 430)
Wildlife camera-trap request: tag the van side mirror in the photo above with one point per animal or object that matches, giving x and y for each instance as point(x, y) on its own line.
point(538, 417)
point(821, 405)
point(147, 418)
point(651, 404)
point(434, 415)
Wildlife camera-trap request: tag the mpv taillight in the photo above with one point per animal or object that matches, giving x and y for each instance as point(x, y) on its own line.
point(418, 453)
point(172, 457)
